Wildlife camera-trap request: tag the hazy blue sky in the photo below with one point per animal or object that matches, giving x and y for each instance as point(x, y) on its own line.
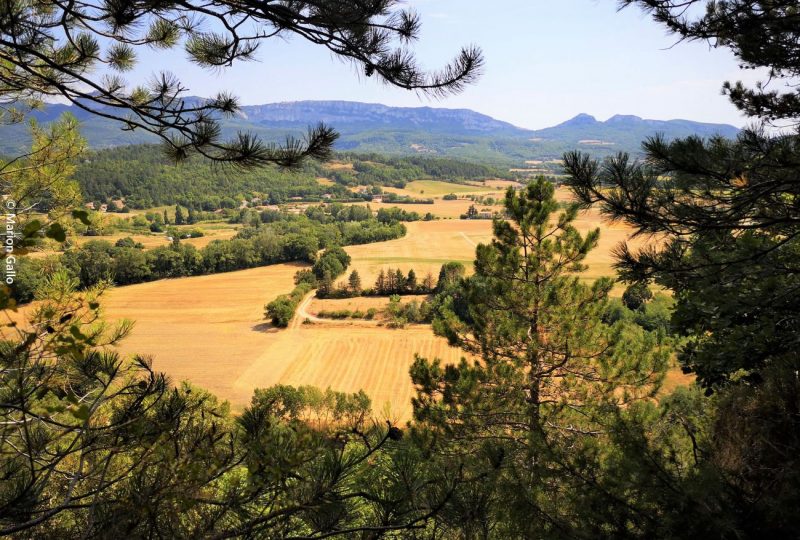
point(546, 61)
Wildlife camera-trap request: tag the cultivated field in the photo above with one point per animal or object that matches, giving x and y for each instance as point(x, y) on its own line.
point(441, 209)
point(362, 303)
point(428, 245)
point(346, 358)
point(435, 188)
point(210, 329)
point(425, 248)
point(207, 329)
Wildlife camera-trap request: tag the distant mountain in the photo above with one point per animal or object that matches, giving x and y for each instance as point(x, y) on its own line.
point(620, 128)
point(368, 127)
point(351, 116)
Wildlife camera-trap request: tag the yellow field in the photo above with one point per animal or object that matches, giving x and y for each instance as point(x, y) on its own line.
point(210, 329)
point(210, 235)
point(435, 188)
point(348, 359)
point(361, 303)
point(428, 245)
point(206, 329)
point(500, 184)
point(441, 209)
point(148, 240)
point(425, 248)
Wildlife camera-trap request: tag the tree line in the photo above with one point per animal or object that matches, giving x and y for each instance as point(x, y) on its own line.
point(293, 238)
point(144, 177)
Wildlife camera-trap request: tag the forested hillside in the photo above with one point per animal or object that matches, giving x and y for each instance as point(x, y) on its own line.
point(144, 177)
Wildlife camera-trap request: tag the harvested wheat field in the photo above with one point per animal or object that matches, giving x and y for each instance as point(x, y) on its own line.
point(440, 208)
point(210, 236)
point(348, 359)
point(210, 329)
point(437, 188)
point(150, 241)
point(361, 303)
point(206, 329)
point(429, 244)
point(500, 184)
point(426, 246)
point(147, 240)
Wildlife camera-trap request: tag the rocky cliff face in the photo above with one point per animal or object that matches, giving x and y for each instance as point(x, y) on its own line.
point(347, 114)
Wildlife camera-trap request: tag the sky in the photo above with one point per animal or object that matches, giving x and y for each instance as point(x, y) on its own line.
point(545, 62)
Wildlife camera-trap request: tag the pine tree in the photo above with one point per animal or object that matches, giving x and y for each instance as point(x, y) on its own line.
point(166, 217)
point(411, 281)
point(191, 218)
point(354, 281)
point(380, 283)
point(178, 215)
point(391, 284)
point(549, 367)
point(399, 281)
point(727, 216)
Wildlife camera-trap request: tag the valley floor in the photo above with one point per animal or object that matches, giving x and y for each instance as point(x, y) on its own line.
point(211, 331)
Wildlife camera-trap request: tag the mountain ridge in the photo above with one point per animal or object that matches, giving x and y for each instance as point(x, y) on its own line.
point(374, 127)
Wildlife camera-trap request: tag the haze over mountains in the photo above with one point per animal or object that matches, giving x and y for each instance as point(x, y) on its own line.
point(367, 127)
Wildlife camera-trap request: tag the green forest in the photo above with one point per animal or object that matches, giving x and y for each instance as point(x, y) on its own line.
point(557, 422)
point(143, 176)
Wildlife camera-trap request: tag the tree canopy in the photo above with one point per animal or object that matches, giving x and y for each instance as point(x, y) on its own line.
point(80, 51)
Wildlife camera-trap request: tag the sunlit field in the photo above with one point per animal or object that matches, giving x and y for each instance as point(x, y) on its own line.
point(211, 330)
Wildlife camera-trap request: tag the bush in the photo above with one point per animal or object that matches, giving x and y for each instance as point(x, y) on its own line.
point(371, 312)
point(338, 314)
point(281, 310)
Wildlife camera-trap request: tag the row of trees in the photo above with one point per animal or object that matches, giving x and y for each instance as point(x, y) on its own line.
point(291, 239)
point(387, 215)
point(388, 282)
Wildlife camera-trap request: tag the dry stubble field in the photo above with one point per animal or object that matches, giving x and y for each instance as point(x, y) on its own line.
point(210, 329)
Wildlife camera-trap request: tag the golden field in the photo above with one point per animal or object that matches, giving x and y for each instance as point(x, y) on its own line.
point(210, 330)
point(440, 209)
point(206, 329)
point(437, 188)
point(361, 303)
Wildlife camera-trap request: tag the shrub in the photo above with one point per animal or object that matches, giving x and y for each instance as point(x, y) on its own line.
point(281, 310)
